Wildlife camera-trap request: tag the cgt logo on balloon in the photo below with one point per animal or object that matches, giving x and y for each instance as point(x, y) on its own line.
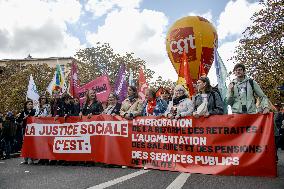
point(183, 39)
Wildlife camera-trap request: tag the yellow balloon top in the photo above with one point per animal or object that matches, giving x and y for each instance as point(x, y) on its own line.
point(197, 37)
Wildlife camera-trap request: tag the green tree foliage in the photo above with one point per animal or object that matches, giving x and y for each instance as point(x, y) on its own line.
point(102, 60)
point(162, 83)
point(262, 48)
point(14, 81)
point(92, 62)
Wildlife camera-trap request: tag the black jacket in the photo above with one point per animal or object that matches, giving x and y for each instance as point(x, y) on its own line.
point(9, 127)
point(115, 110)
point(57, 108)
point(215, 103)
point(24, 114)
point(96, 108)
point(67, 109)
point(77, 109)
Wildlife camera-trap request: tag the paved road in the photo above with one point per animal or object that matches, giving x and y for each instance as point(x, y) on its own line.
point(13, 175)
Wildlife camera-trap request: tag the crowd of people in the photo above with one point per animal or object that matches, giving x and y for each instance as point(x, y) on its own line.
point(173, 103)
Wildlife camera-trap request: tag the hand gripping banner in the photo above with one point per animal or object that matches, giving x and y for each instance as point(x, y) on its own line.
point(221, 144)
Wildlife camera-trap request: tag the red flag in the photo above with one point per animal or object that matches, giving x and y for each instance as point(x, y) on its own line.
point(160, 91)
point(201, 70)
point(74, 81)
point(142, 85)
point(184, 73)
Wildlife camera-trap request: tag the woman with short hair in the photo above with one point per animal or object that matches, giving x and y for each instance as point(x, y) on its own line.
point(113, 107)
point(76, 104)
point(181, 105)
point(132, 106)
point(27, 112)
point(152, 105)
point(56, 104)
point(44, 109)
point(166, 95)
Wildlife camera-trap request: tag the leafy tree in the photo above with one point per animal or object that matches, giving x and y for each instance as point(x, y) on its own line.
point(262, 48)
point(101, 60)
point(14, 80)
point(92, 62)
point(161, 83)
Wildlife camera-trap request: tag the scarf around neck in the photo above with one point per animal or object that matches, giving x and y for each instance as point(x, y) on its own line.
point(177, 100)
point(132, 99)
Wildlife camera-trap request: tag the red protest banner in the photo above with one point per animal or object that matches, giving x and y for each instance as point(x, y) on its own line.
point(221, 144)
point(100, 85)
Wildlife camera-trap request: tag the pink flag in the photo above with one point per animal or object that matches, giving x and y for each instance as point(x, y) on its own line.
point(100, 85)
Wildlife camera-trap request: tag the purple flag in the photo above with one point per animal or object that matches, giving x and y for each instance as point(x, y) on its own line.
point(120, 86)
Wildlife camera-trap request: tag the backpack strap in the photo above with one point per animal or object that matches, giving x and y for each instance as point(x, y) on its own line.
point(251, 84)
point(252, 87)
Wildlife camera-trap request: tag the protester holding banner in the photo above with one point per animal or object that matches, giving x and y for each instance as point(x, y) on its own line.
point(181, 105)
point(165, 95)
point(113, 107)
point(92, 106)
point(43, 110)
point(172, 92)
point(207, 101)
point(56, 104)
point(76, 103)
point(241, 92)
point(28, 112)
point(131, 106)
point(67, 105)
point(152, 105)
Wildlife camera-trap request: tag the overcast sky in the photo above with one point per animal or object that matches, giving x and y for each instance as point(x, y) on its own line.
point(50, 28)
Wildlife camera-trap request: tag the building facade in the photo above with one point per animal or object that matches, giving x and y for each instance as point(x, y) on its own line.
point(51, 62)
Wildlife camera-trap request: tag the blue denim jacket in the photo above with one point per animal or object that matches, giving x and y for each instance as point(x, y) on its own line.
point(160, 108)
